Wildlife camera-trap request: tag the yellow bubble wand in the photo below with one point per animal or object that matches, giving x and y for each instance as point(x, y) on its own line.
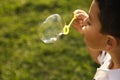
point(66, 27)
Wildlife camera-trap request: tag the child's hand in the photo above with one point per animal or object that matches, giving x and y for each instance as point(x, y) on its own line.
point(81, 16)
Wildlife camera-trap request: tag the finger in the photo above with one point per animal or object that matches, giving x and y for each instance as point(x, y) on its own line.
point(79, 11)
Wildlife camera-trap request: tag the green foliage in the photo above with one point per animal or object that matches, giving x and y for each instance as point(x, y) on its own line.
point(24, 57)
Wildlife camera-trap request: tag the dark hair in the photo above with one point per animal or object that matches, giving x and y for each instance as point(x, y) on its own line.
point(109, 17)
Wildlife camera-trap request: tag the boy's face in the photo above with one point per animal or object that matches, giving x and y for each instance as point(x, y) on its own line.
point(93, 38)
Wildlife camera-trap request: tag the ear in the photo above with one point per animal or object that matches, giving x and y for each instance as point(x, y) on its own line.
point(111, 43)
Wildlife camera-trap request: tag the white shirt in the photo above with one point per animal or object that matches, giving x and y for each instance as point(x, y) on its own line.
point(103, 72)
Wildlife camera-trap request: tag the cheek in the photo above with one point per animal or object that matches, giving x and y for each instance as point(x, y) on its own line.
point(93, 39)
point(92, 42)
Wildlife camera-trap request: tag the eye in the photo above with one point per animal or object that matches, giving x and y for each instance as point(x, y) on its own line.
point(87, 22)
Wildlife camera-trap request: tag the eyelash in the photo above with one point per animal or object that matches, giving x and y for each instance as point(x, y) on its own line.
point(88, 23)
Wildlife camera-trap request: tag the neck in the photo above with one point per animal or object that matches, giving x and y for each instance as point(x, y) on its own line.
point(115, 55)
point(115, 60)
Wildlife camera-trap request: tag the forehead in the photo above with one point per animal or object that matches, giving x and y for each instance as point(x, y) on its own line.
point(94, 14)
point(94, 10)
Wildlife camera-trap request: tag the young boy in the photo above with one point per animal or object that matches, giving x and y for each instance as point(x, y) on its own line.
point(101, 31)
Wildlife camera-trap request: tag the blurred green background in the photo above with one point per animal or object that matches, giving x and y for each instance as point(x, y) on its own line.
point(24, 57)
